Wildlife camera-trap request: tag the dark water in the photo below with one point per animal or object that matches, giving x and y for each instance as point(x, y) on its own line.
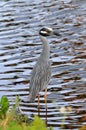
point(20, 46)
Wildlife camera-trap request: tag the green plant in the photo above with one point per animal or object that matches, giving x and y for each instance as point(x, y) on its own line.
point(4, 105)
point(10, 120)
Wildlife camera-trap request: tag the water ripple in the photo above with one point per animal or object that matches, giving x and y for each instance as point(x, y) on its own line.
point(20, 46)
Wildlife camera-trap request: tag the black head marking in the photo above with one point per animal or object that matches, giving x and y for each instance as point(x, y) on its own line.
point(45, 32)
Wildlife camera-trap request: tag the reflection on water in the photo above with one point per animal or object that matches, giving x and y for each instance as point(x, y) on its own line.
point(20, 46)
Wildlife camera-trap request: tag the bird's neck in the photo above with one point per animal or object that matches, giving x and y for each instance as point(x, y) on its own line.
point(46, 49)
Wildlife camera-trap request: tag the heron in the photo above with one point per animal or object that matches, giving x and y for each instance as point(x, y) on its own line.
point(41, 73)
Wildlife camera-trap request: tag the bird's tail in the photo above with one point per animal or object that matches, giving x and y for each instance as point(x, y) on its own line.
point(32, 96)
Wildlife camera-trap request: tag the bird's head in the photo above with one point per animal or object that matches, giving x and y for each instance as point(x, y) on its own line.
point(46, 31)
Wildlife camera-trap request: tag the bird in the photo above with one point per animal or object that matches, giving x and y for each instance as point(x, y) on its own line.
point(41, 73)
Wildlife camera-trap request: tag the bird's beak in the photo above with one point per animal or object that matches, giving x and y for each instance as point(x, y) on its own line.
point(56, 33)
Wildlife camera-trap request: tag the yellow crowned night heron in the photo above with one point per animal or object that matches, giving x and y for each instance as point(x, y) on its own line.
point(41, 72)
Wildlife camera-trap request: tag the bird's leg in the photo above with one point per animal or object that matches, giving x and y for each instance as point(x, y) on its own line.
point(45, 97)
point(38, 104)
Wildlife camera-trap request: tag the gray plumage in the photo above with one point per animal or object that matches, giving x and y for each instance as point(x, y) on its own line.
point(41, 72)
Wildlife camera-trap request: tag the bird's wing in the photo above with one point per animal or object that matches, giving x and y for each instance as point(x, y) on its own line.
point(39, 79)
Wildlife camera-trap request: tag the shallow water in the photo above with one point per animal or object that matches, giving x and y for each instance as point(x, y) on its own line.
point(20, 47)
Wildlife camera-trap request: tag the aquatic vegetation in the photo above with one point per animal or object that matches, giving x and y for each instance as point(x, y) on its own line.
point(10, 120)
